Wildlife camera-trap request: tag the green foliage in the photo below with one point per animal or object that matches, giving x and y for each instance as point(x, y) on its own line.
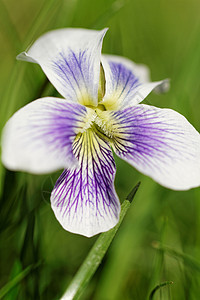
point(159, 240)
point(96, 254)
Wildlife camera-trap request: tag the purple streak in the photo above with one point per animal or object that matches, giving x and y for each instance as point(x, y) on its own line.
point(84, 199)
point(55, 127)
point(151, 139)
point(75, 73)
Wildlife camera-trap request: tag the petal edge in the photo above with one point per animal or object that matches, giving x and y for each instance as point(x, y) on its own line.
point(70, 58)
point(160, 143)
point(38, 138)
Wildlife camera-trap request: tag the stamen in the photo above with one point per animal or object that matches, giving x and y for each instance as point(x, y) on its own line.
point(88, 120)
point(103, 121)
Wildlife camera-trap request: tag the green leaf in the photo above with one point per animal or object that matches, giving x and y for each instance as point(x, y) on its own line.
point(96, 254)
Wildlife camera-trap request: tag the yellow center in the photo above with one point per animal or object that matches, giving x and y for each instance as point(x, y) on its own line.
point(97, 118)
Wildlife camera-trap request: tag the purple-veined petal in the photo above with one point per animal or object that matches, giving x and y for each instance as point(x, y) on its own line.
point(127, 83)
point(160, 143)
point(38, 138)
point(84, 198)
point(71, 60)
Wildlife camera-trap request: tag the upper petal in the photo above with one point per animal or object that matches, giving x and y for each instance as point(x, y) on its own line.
point(38, 138)
point(160, 143)
point(127, 83)
point(84, 198)
point(71, 60)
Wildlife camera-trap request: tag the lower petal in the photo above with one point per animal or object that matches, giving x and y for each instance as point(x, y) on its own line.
point(160, 143)
point(84, 198)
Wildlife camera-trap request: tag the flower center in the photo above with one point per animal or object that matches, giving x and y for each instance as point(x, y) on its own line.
point(104, 122)
point(97, 117)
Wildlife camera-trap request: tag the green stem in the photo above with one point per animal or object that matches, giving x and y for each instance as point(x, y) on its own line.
point(96, 254)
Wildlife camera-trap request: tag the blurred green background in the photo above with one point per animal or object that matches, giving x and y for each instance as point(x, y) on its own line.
point(159, 239)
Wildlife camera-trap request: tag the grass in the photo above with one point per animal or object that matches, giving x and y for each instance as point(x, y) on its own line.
point(159, 240)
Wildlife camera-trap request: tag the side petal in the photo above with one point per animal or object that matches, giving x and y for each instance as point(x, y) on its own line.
point(127, 83)
point(71, 60)
point(84, 199)
point(38, 138)
point(160, 143)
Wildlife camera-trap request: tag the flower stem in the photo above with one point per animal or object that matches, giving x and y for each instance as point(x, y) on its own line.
point(96, 254)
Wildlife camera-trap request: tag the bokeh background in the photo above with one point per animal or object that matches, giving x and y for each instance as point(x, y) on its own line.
point(159, 239)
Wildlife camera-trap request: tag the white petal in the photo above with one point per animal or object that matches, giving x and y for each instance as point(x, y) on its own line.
point(71, 60)
point(38, 138)
point(127, 83)
point(140, 70)
point(84, 199)
point(160, 143)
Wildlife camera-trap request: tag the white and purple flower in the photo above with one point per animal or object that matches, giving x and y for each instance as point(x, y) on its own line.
point(100, 111)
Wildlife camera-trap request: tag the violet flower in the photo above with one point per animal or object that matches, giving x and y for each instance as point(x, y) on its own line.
point(100, 111)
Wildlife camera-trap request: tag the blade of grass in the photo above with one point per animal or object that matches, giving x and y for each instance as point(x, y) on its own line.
point(108, 14)
point(42, 20)
point(95, 256)
point(15, 90)
point(188, 260)
point(17, 76)
point(159, 258)
point(11, 284)
point(16, 269)
point(158, 287)
point(9, 27)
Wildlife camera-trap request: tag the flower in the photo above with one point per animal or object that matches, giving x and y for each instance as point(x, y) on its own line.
point(100, 111)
